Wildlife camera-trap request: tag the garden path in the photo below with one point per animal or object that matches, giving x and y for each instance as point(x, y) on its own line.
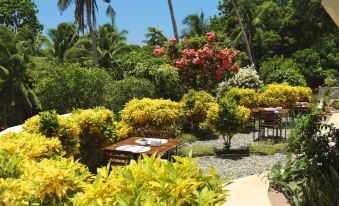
point(248, 191)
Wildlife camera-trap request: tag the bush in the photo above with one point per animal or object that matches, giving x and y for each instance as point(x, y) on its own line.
point(49, 182)
point(50, 124)
point(156, 113)
point(151, 181)
point(194, 106)
point(267, 147)
point(97, 130)
point(10, 165)
point(125, 90)
point(283, 95)
point(30, 146)
point(186, 138)
point(243, 97)
point(247, 77)
point(165, 78)
point(279, 70)
point(68, 86)
point(227, 118)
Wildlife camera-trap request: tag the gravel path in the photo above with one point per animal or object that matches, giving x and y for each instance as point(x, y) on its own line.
point(237, 165)
point(240, 166)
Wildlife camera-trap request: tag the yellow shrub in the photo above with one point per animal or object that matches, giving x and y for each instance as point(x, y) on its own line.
point(194, 106)
point(30, 146)
point(123, 130)
point(156, 113)
point(151, 181)
point(14, 192)
point(97, 131)
point(67, 131)
point(281, 95)
point(304, 93)
point(244, 114)
point(243, 97)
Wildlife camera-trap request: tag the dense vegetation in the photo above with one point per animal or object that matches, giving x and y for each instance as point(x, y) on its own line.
point(254, 53)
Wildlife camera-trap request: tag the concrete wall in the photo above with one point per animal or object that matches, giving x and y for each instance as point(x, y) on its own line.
point(334, 91)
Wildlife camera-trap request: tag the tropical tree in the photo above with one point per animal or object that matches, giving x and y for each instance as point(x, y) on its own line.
point(154, 37)
point(16, 14)
point(196, 25)
point(174, 23)
point(63, 38)
point(86, 9)
point(18, 101)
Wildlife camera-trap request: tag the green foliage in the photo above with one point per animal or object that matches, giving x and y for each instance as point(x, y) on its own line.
point(164, 77)
point(154, 37)
point(194, 106)
point(18, 101)
point(279, 70)
point(151, 181)
point(69, 86)
point(227, 118)
point(16, 14)
point(51, 125)
point(186, 138)
point(267, 147)
point(196, 25)
point(123, 91)
point(307, 177)
point(97, 130)
point(63, 38)
point(312, 70)
point(10, 165)
point(197, 151)
point(30, 146)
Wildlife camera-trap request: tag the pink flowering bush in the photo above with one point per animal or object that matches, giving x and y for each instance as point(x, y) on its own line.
point(200, 67)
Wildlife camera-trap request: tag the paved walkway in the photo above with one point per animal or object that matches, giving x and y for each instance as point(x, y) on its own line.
point(334, 119)
point(248, 191)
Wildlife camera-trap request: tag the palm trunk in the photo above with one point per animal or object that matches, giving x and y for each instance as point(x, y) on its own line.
point(174, 24)
point(93, 38)
point(248, 48)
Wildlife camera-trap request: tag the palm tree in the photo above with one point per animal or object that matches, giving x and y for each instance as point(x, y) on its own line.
point(196, 25)
point(88, 7)
point(248, 46)
point(174, 24)
point(63, 37)
point(17, 98)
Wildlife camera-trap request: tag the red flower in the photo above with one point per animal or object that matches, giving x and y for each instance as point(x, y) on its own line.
point(173, 40)
point(158, 51)
point(210, 36)
point(197, 60)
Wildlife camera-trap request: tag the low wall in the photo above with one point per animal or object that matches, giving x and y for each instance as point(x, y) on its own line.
point(334, 91)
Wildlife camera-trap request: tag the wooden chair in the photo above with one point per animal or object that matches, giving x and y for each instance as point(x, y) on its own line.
point(270, 120)
point(118, 159)
point(151, 133)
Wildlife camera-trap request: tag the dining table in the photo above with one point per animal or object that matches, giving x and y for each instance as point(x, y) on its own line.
point(132, 147)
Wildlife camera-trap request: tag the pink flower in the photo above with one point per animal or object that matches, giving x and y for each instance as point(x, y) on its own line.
point(180, 63)
point(210, 36)
point(189, 52)
point(197, 60)
point(173, 40)
point(158, 51)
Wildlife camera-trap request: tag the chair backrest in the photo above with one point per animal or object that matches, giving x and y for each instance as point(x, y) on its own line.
point(268, 118)
point(118, 159)
point(150, 133)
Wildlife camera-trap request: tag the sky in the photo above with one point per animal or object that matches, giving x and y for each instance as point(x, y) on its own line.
point(135, 16)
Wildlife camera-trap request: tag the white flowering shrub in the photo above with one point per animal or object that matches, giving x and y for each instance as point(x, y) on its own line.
point(247, 77)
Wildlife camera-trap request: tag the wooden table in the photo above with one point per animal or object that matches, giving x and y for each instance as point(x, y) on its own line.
point(159, 150)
